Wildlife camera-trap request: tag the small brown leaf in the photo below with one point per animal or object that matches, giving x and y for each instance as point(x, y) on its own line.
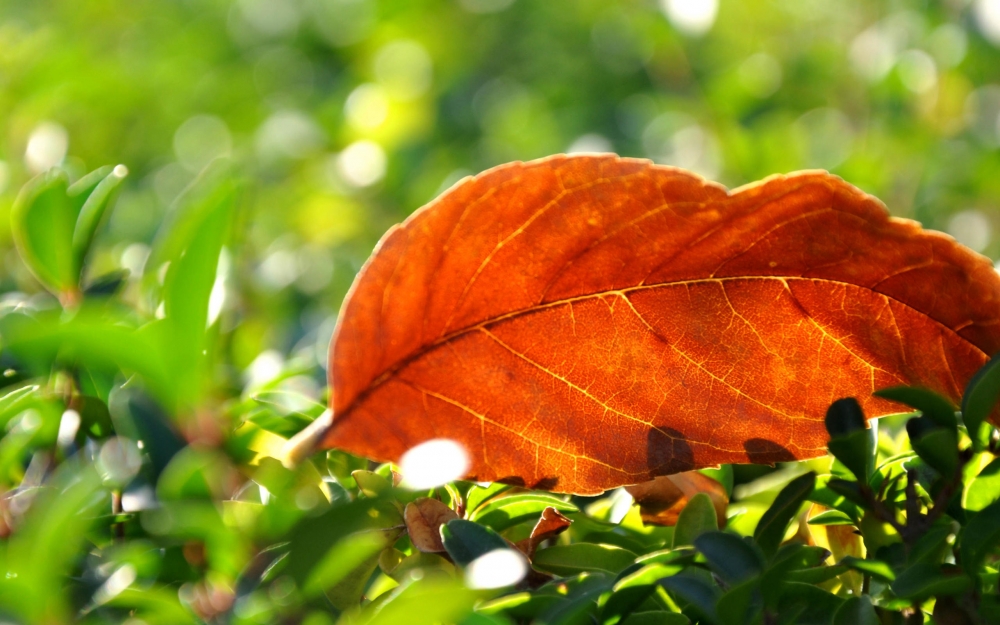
point(424, 518)
point(551, 524)
point(661, 500)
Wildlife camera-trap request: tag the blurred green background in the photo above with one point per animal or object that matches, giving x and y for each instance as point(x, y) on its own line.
point(343, 117)
point(347, 115)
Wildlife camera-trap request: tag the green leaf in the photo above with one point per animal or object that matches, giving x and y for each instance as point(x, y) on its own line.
point(980, 537)
point(42, 221)
point(697, 517)
point(99, 188)
point(465, 541)
point(770, 531)
point(925, 579)
point(857, 451)
point(856, 611)
point(192, 247)
point(580, 557)
point(979, 400)
point(478, 495)
point(504, 512)
point(701, 595)
point(938, 447)
point(428, 601)
point(831, 517)
point(741, 604)
point(733, 558)
point(90, 337)
point(344, 571)
point(657, 618)
point(875, 568)
point(984, 488)
point(312, 539)
point(630, 591)
point(521, 605)
point(49, 541)
point(372, 484)
point(810, 604)
point(933, 406)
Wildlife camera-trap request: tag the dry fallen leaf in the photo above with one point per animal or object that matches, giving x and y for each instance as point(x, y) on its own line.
point(424, 518)
point(550, 524)
point(662, 499)
point(580, 323)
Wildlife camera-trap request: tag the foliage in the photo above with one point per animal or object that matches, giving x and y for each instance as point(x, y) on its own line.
point(125, 500)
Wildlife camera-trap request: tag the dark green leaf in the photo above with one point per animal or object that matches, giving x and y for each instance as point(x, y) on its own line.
point(926, 579)
point(741, 604)
point(465, 541)
point(631, 590)
point(700, 594)
point(857, 451)
point(844, 417)
point(937, 447)
point(980, 537)
point(856, 611)
point(979, 400)
point(697, 517)
point(731, 557)
point(770, 531)
point(933, 406)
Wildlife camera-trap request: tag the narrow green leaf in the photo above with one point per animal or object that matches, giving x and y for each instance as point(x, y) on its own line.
point(504, 512)
point(770, 531)
point(697, 517)
point(478, 495)
point(98, 199)
point(831, 517)
point(465, 541)
point(875, 568)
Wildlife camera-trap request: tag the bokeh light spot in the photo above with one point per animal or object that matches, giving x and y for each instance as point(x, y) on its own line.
point(496, 569)
point(46, 147)
point(971, 228)
point(433, 463)
point(692, 17)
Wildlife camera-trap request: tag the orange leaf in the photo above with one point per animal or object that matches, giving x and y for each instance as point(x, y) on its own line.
point(661, 500)
point(579, 323)
point(424, 518)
